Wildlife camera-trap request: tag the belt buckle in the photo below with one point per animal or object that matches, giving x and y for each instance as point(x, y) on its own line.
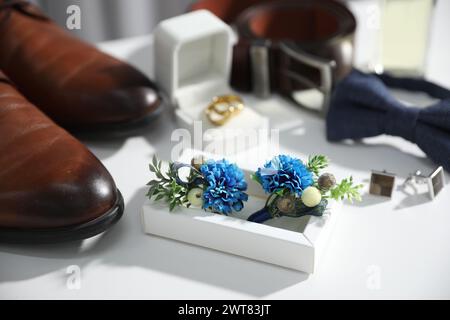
point(260, 60)
point(323, 66)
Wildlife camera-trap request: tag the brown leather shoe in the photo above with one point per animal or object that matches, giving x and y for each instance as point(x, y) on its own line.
point(75, 84)
point(51, 187)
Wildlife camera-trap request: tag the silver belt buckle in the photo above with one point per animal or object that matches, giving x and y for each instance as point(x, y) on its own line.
point(259, 54)
point(324, 66)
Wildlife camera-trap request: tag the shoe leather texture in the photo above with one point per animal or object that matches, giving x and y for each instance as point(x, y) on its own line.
point(48, 179)
point(71, 81)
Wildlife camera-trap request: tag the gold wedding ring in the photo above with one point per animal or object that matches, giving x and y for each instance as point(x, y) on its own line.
point(223, 108)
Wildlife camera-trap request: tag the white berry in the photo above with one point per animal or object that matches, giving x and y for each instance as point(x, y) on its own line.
point(195, 197)
point(311, 197)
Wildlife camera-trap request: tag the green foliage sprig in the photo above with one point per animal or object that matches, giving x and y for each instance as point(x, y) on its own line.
point(317, 163)
point(165, 186)
point(346, 189)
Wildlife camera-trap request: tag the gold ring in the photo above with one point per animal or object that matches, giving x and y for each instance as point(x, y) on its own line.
point(223, 108)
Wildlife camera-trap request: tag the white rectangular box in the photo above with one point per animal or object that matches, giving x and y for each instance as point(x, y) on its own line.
point(295, 243)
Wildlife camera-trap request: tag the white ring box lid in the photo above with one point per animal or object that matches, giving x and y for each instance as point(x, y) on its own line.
point(193, 64)
point(295, 243)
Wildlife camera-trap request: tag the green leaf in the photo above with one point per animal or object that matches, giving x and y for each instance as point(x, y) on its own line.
point(172, 206)
point(155, 161)
point(159, 197)
point(152, 182)
point(159, 175)
point(151, 191)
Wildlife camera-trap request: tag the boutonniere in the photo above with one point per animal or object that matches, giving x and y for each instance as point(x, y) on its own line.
point(296, 188)
point(217, 186)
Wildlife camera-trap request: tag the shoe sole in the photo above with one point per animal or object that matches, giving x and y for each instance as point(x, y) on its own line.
point(65, 234)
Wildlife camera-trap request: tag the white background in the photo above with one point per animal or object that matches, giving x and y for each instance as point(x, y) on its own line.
point(381, 248)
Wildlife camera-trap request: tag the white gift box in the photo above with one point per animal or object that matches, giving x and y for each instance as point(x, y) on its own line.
point(193, 64)
point(296, 243)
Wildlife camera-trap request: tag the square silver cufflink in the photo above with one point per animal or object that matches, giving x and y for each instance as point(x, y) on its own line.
point(382, 183)
point(435, 180)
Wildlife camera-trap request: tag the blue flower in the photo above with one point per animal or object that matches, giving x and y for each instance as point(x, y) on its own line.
point(285, 172)
point(225, 186)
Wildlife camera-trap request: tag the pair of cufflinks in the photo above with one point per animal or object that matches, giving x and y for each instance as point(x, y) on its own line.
point(382, 183)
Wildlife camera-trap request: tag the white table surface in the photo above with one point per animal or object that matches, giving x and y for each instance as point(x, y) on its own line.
point(381, 248)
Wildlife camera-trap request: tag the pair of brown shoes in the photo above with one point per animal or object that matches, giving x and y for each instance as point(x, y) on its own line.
point(51, 187)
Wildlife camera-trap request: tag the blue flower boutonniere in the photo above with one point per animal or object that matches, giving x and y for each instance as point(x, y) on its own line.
point(284, 173)
point(218, 186)
point(296, 188)
point(225, 187)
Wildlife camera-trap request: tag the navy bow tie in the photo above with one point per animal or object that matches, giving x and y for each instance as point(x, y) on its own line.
point(362, 106)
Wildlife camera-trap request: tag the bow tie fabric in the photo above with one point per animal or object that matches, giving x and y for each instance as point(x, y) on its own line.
point(362, 106)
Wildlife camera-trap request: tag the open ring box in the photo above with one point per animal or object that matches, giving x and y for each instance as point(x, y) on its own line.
point(295, 243)
point(192, 65)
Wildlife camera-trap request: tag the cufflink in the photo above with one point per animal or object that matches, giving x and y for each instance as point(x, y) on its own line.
point(435, 181)
point(382, 183)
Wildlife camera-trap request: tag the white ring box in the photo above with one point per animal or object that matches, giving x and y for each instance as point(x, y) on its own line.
point(295, 243)
point(193, 65)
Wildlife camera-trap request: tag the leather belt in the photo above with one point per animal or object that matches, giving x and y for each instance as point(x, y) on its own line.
point(288, 46)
